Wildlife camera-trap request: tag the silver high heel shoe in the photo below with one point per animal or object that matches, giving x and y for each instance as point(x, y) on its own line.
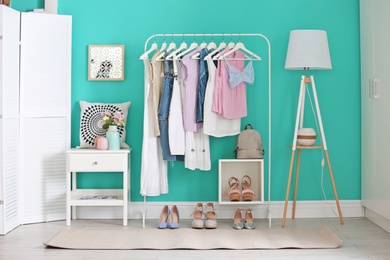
point(211, 221)
point(238, 223)
point(249, 219)
point(197, 221)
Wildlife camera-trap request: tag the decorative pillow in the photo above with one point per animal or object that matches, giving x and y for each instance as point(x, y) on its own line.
point(91, 122)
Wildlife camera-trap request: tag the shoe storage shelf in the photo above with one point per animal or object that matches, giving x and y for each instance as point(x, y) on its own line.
point(92, 160)
point(238, 168)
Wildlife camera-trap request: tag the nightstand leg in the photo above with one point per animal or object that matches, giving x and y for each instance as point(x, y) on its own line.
point(125, 196)
point(296, 183)
point(288, 187)
point(74, 187)
point(68, 191)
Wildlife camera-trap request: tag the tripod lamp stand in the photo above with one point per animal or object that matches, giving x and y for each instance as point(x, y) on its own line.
point(307, 50)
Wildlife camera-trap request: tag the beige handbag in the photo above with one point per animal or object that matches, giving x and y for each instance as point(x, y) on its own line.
point(249, 144)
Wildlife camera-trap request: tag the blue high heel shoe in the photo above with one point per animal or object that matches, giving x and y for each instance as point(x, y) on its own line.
point(174, 218)
point(163, 221)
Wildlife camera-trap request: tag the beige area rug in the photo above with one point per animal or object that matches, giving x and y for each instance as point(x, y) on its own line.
point(188, 238)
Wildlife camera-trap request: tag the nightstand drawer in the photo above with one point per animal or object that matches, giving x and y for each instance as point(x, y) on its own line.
point(97, 162)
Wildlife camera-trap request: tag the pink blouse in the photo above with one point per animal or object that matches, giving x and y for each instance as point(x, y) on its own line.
point(229, 102)
point(190, 74)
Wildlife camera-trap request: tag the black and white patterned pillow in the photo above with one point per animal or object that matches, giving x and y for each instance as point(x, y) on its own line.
point(91, 122)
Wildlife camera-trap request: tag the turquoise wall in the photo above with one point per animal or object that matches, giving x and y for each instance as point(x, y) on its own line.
point(27, 5)
point(132, 22)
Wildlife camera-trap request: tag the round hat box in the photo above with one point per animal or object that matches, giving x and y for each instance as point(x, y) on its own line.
point(306, 136)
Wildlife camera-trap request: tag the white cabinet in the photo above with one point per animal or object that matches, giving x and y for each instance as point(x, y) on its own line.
point(35, 85)
point(375, 103)
point(9, 118)
point(92, 160)
point(254, 168)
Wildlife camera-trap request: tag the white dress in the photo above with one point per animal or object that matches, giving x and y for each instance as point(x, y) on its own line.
point(176, 132)
point(197, 146)
point(214, 124)
point(154, 177)
point(197, 155)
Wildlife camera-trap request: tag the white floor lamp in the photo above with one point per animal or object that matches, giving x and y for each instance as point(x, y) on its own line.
point(307, 50)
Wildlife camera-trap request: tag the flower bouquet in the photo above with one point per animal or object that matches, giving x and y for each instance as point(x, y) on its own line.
point(112, 118)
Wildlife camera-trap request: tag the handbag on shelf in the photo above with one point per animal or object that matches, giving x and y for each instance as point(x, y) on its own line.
point(249, 144)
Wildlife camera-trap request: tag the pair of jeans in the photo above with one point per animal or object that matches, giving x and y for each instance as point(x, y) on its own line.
point(163, 112)
point(203, 78)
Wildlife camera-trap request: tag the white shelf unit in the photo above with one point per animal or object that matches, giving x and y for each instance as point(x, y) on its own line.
point(92, 160)
point(238, 168)
point(76, 198)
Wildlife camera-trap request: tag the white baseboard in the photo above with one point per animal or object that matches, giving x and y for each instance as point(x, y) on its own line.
point(378, 219)
point(305, 209)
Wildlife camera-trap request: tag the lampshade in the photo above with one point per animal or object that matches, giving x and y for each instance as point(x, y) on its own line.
point(308, 49)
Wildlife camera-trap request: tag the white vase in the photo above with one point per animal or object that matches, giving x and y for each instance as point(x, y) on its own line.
point(112, 136)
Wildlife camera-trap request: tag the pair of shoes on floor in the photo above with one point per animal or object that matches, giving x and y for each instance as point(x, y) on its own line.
point(204, 216)
point(241, 222)
point(235, 194)
point(169, 218)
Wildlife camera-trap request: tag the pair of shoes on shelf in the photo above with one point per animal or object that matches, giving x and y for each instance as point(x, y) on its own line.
point(235, 194)
point(240, 222)
point(169, 218)
point(208, 212)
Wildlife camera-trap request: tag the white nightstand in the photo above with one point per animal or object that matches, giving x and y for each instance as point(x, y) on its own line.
point(92, 160)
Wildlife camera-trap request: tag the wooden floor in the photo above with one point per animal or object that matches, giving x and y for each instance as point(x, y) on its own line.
point(362, 240)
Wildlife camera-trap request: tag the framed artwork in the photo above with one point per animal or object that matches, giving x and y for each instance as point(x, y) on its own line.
point(106, 62)
point(6, 2)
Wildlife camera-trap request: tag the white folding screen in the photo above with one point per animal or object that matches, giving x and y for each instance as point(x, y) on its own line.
point(9, 119)
point(10, 62)
point(45, 86)
point(10, 169)
point(44, 166)
point(45, 65)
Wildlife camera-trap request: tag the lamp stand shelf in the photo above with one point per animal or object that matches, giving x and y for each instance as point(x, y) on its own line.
point(298, 123)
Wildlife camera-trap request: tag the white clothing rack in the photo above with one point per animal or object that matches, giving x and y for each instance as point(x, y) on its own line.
point(223, 35)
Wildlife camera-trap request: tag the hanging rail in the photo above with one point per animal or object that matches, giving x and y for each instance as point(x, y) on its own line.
point(184, 35)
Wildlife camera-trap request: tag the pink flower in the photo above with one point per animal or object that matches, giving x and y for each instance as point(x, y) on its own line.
point(115, 118)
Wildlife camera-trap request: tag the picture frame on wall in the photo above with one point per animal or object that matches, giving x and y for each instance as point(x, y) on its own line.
point(106, 62)
point(6, 2)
